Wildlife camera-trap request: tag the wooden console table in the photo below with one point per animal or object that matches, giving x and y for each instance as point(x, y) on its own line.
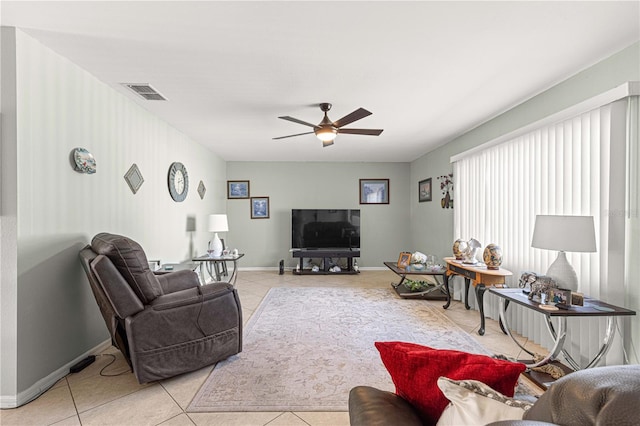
point(326, 254)
point(481, 277)
point(591, 308)
point(440, 291)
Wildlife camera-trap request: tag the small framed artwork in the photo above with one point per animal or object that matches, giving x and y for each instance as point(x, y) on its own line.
point(259, 207)
point(404, 260)
point(134, 178)
point(201, 189)
point(374, 191)
point(237, 189)
point(560, 295)
point(424, 190)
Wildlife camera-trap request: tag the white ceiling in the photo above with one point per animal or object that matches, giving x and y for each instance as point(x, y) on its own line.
point(429, 71)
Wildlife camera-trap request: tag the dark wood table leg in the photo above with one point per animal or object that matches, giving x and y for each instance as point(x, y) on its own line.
point(446, 287)
point(467, 282)
point(480, 296)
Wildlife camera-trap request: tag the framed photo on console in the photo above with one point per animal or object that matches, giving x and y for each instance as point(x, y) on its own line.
point(259, 207)
point(404, 260)
point(237, 189)
point(374, 191)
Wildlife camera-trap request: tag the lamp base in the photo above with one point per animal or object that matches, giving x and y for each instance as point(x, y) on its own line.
point(216, 246)
point(563, 273)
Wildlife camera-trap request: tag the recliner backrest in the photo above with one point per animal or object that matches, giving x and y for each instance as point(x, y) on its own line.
point(130, 260)
point(122, 298)
point(87, 255)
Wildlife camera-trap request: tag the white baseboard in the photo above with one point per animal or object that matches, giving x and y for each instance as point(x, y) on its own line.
point(291, 268)
point(44, 384)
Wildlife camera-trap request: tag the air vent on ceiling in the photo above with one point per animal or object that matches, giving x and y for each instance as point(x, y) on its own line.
point(146, 91)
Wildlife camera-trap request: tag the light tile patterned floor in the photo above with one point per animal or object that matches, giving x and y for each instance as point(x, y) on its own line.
point(87, 398)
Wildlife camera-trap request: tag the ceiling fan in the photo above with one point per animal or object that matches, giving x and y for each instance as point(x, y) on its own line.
point(327, 130)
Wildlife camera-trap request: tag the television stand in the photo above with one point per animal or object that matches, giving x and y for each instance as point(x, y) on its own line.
point(326, 254)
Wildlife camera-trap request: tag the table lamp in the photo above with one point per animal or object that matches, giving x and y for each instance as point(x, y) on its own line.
point(217, 223)
point(564, 233)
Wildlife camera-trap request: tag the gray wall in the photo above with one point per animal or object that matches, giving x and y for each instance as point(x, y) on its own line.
point(433, 227)
point(60, 107)
point(289, 185)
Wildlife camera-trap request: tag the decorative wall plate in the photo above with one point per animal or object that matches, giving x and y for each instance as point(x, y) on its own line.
point(84, 161)
point(201, 189)
point(134, 178)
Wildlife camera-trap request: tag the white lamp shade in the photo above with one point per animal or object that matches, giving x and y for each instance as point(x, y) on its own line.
point(218, 223)
point(564, 233)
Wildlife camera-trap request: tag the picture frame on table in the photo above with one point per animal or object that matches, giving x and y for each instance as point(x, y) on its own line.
point(374, 191)
point(404, 260)
point(259, 207)
point(424, 190)
point(238, 189)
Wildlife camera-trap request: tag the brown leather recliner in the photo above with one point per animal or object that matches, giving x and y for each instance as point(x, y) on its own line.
point(163, 323)
point(598, 396)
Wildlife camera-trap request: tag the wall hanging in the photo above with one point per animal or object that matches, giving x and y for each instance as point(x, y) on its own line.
point(134, 178)
point(201, 190)
point(178, 181)
point(83, 161)
point(446, 186)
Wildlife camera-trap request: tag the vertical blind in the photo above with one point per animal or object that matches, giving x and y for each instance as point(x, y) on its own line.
point(560, 169)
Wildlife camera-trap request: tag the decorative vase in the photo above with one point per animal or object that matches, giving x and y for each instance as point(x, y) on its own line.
point(492, 256)
point(459, 247)
point(469, 255)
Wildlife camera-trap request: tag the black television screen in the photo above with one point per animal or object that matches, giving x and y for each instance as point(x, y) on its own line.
point(316, 228)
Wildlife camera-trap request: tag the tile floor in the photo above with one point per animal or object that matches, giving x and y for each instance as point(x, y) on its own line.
point(87, 398)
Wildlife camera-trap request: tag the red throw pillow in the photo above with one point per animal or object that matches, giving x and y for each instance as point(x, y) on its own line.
point(415, 369)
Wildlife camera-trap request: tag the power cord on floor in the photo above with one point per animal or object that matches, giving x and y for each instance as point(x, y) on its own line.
point(102, 373)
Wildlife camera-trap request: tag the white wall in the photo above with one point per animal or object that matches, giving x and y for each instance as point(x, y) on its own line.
point(60, 107)
point(384, 228)
point(8, 218)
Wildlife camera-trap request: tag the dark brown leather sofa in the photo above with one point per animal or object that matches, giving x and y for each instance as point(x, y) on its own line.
point(164, 324)
point(598, 396)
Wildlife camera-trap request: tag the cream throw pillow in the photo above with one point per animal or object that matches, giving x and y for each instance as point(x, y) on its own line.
point(474, 403)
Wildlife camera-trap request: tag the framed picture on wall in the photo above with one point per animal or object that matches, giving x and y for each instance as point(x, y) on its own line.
point(259, 207)
point(237, 189)
point(374, 191)
point(424, 190)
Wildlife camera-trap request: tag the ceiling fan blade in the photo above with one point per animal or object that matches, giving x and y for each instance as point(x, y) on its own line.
point(290, 136)
point(350, 118)
point(370, 132)
point(326, 143)
point(295, 120)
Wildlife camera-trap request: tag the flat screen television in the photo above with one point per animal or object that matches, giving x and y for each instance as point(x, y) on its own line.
point(324, 228)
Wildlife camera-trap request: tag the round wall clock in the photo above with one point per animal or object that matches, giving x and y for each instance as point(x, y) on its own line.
point(178, 182)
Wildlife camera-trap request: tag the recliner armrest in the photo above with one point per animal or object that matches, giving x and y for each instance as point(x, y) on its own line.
point(190, 296)
point(178, 280)
point(369, 406)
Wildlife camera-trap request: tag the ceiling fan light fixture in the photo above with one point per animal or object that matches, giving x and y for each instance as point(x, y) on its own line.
point(326, 134)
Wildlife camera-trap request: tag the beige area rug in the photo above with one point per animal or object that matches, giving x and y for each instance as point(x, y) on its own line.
point(305, 348)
